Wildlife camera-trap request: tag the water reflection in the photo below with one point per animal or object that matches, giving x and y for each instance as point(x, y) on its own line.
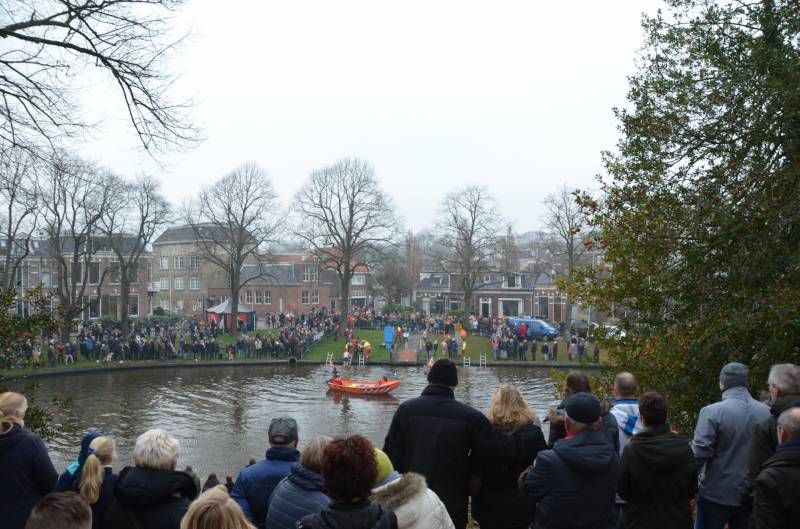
point(221, 414)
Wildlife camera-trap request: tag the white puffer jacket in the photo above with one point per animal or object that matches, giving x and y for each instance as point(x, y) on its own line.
point(415, 505)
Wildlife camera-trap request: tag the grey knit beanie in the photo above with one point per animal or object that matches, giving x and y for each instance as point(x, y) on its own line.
point(734, 375)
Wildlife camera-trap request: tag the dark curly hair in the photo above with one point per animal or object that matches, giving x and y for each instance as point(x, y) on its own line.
point(349, 469)
point(653, 408)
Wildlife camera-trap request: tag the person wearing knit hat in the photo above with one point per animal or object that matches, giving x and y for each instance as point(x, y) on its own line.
point(408, 496)
point(458, 431)
point(721, 441)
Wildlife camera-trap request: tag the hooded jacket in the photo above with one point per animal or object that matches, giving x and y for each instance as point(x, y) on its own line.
point(73, 472)
point(434, 434)
point(299, 494)
point(776, 490)
point(574, 483)
point(657, 478)
point(498, 504)
point(150, 499)
point(361, 515)
point(27, 475)
point(721, 442)
point(765, 435)
point(413, 503)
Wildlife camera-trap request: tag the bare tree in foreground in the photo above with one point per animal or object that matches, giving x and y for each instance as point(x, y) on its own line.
point(50, 45)
point(19, 209)
point(233, 220)
point(346, 218)
point(137, 212)
point(565, 225)
point(468, 230)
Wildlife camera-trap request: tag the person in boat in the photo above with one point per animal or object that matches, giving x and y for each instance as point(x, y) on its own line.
point(335, 377)
point(384, 379)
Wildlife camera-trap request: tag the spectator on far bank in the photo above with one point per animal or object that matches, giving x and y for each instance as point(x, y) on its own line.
point(776, 494)
point(721, 440)
point(255, 484)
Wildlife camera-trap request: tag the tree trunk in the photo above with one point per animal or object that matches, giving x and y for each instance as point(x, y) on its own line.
point(235, 299)
point(124, 300)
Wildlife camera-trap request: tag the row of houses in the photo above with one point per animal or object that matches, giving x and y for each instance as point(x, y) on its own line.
point(174, 276)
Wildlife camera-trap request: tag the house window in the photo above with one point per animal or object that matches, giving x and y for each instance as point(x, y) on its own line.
point(165, 263)
point(113, 272)
point(133, 305)
point(109, 305)
point(310, 273)
point(304, 297)
point(248, 297)
point(259, 297)
point(94, 308)
point(178, 262)
point(149, 271)
point(359, 294)
point(178, 283)
point(77, 273)
point(194, 283)
point(164, 283)
point(197, 305)
point(194, 262)
point(315, 297)
point(179, 305)
point(46, 276)
point(24, 275)
point(359, 279)
point(94, 273)
point(512, 281)
point(267, 297)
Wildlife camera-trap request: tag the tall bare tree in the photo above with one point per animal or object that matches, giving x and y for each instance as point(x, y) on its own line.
point(137, 212)
point(565, 225)
point(233, 221)
point(508, 252)
point(52, 44)
point(468, 230)
point(19, 209)
point(346, 218)
point(74, 195)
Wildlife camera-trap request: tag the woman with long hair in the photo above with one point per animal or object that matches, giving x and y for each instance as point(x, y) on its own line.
point(97, 479)
point(496, 503)
point(215, 509)
point(28, 473)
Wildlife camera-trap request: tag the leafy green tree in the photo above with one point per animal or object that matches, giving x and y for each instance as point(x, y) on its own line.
point(700, 220)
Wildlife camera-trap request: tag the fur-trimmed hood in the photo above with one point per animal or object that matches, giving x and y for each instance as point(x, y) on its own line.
point(414, 504)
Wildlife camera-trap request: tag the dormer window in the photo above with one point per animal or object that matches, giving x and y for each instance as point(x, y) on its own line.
point(512, 281)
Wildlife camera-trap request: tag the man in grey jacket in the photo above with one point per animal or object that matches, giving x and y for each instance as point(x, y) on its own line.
point(721, 442)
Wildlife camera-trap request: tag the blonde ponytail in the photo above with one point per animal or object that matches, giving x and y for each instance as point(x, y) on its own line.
point(12, 410)
point(101, 452)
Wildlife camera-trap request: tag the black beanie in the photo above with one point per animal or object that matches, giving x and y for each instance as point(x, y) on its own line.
point(443, 372)
point(582, 407)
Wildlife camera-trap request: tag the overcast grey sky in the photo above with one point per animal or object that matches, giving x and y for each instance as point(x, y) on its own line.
point(436, 94)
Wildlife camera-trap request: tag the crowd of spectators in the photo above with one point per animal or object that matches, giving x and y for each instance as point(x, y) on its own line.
point(605, 465)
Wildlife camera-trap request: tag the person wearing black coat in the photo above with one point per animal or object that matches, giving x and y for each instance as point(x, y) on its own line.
point(657, 474)
point(27, 472)
point(784, 388)
point(151, 495)
point(434, 435)
point(496, 503)
point(776, 490)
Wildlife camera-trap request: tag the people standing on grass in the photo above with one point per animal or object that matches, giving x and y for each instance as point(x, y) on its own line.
point(26, 472)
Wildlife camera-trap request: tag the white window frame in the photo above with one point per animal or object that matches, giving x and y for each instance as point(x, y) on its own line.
point(163, 283)
point(304, 297)
point(178, 262)
point(267, 297)
point(178, 283)
point(194, 262)
point(359, 279)
point(259, 297)
point(164, 264)
point(194, 283)
point(248, 297)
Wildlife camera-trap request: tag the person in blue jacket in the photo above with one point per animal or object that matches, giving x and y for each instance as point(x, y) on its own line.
point(73, 472)
point(28, 473)
point(255, 484)
point(302, 492)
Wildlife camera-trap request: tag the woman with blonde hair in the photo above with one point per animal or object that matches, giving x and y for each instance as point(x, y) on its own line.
point(97, 478)
point(496, 504)
point(28, 473)
point(215, 509)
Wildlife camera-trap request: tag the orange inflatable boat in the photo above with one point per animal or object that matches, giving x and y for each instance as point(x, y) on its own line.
point(364, 388)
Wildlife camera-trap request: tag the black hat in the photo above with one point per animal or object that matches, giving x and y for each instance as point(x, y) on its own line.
point(443, 372)
point(582, 407)
point(282, 431)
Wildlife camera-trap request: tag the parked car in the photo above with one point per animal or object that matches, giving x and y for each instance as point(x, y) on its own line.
point(612, 331)
point(583, 329)
point(537, 329)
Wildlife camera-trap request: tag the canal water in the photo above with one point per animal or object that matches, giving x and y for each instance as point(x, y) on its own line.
point(221, 414)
